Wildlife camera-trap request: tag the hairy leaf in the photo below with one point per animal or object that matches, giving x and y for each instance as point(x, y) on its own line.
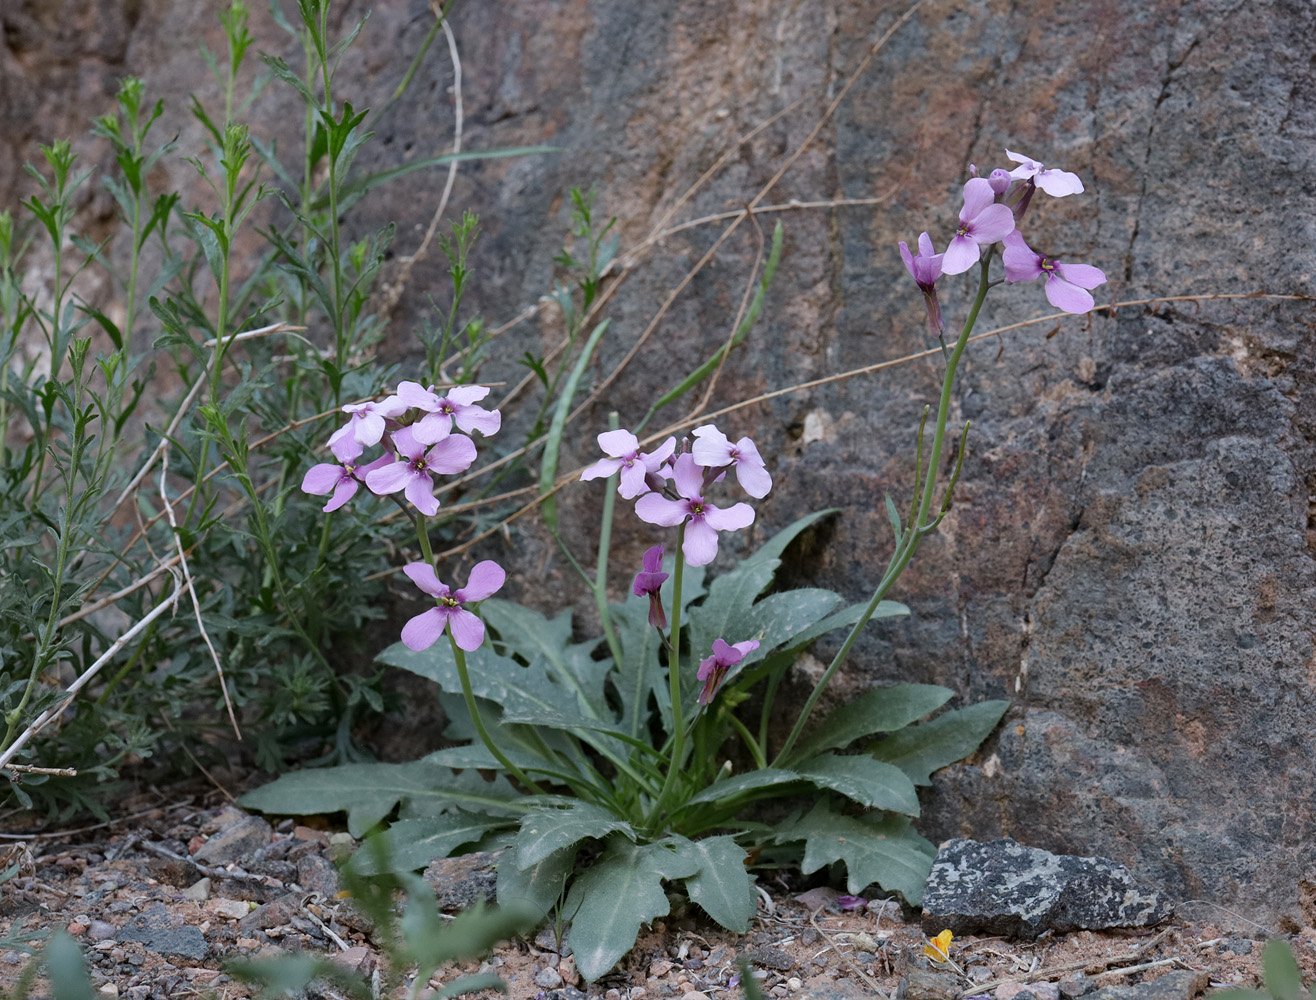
point(750, 781)
point(869, 782)
point(722, 885)
point(920, 750)
point(878, 710)
point(610, 901)
point(539, 886)
point(544, 831)
point(413, 843)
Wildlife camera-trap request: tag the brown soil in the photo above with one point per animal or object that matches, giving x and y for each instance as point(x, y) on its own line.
point(132, 894)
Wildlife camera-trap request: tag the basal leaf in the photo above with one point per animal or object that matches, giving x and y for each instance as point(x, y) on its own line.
point(864, 780)
point(610, 901)
point(366, 792)
point(539, 886)
point(741, 783)
point(1283, 980)
point(920, 750)
point(571, 665)
point(877, 710)
point(722, 885)
point(413, 843)
point(544, 831)
point(886, 851)
point(779, 618)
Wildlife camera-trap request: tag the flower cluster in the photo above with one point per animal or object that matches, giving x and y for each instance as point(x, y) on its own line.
point(993, 208)
point(669, 488)
point(421, 433)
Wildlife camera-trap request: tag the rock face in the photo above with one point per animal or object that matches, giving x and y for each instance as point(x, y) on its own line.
point(1004, 888)
point(1130, 557)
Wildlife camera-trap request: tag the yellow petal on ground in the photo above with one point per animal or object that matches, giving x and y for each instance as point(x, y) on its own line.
point(939, 949)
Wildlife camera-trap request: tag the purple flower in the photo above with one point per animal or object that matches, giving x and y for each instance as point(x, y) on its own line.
point(925, 269)
point(424, 630)
point(1057, 183)
point(623, 449)
point(982, 221)
point(713, 450)
point(999, 180)
point(442, 411)
point(416, 467)
point(848, 903)
point(705, 520)
point(1066, 284)
point(367, 424)
point(341, 480)
point(648, 582)
point(714, 669)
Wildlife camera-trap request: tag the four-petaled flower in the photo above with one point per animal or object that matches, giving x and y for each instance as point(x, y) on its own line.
point(416, 466)
point(1055, 182)
point(367, 424)
point(623, 449)
point(648, 582)
point(714, 669)
point(442, 411)
point(925, 269)
point(341, 480)
point(424, 630)
point(1066, 284)
point(938, 948)
point(706, 521)
point(713, 450)
point(982, 221)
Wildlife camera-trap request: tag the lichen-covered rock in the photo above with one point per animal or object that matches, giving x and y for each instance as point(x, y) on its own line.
point(1005, 888)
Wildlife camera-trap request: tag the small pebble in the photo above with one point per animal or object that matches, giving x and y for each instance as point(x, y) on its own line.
point(77, 929)
point(694, 995)
point(548, 978)
point(110, 990)
point(793, 984)
point(101, 930)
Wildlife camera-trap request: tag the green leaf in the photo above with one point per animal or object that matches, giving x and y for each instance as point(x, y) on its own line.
point(1283, 980)
point(920, 750)
point(413, 843)
point(571, 665)
point(610, 901)
point(750, 781)
point(539, 886)
point(886, 851)
point(432, 941)
point(553, 442)
point(369, 792)
point(779, 618)
point(893, 516)
point(470, 984)
point(864, 780)
point(877, 710)
point(544, 831)
point(722, 885)
point(68, 970)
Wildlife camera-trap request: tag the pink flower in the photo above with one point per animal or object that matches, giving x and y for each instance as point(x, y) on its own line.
point(442, 411)
point(649, 581)
point(415, 470)
point(1057, 183)
point(367, 424)
point(623, 449)
point(714, 669)
point(705, 520)
point(424, 630)
point(925, 269)
point(982, 221)
point(341, 480)
point(1066, 284)
point(713, 450)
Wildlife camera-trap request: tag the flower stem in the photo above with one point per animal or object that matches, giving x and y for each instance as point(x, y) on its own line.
point(674, 679)
point(914, 532)
point(460, 658)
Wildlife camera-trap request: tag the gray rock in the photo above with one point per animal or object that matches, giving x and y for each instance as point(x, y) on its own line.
point(1177, 985)
point(101, 930)
point(318, 874)
point(771, 958)
point(273, 914)
point(548, 978)
point(165, 933)
point(462, 881)
point(917, 985)
point(235, 841)
point(1004, 888)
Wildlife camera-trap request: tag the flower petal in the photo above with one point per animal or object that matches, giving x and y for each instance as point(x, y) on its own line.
point(413, 394)
point(745, 648)
point(431, 428)
point(653, 559)
point(465, 395)
point(467, 629)
point(423, 576)
point(601, 469)
point(734, 518)
point(754, 479)
point(1067, 297)
point(404, 440)
point(1059, 183)
point(389, 479)
point(657, 509)
point(486, 579)
point(978, 195)
point(347, 447)
point(700, 547)
point(711, 449)
point(424, 630)
point(619, 443)
point(346, 489)
point(419, 491)
point(961, 255)
point(688, 476)
point(993, 223)
point(476, 418)
point(321, 479)
point(1083, 275)
point(632, 480)
point(453, 454)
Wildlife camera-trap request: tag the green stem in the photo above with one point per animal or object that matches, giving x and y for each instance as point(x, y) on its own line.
point(756, 751)
point(674, 680)
point(914, 532)
point(460, 658)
